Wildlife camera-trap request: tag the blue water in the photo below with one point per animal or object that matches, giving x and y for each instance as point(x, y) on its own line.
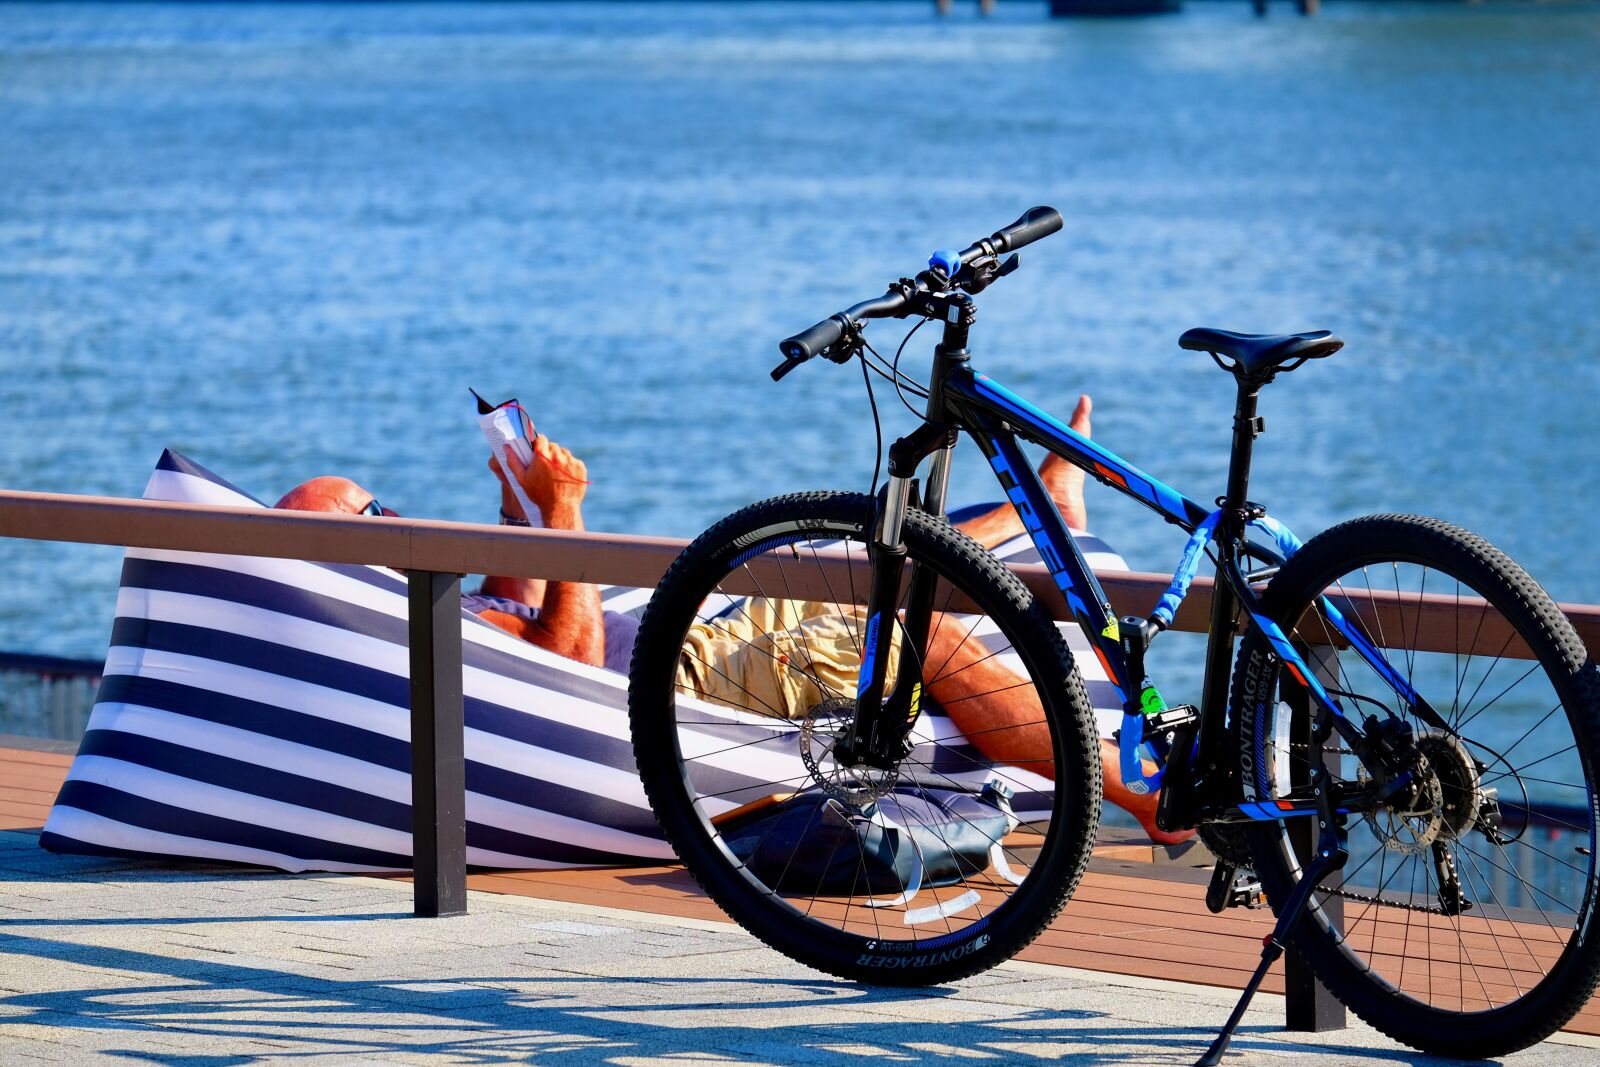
point(285, 239)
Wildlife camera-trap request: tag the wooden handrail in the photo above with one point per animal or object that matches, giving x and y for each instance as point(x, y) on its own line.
point(1434, 623)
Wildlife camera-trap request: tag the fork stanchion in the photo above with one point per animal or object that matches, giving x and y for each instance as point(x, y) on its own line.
point(1309, 1006)
point(438, 763)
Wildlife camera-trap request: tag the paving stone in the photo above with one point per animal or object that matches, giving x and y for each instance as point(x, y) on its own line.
point(107, 961)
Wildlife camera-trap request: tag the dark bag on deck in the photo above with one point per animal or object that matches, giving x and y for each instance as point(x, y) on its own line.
point(914, 837)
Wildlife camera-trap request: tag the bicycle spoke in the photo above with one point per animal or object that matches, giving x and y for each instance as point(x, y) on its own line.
point(1505, 715)
point(816, 861)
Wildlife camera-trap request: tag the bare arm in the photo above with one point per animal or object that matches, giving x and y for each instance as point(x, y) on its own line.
point(570, 621)
point(999, 712)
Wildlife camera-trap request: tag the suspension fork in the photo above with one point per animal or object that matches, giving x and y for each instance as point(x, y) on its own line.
point(883, 719)
point(881, 725)
point(903, 704)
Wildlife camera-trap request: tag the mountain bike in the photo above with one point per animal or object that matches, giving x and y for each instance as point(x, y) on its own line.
point(868, 741)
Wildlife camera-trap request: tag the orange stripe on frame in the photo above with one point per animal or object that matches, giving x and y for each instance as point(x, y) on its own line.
point(1110, 475)
point(1105, 663)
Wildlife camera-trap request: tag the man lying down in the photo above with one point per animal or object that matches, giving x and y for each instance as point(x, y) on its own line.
point(978, 692)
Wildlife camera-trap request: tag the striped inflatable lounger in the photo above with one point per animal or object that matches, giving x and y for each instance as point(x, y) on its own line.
point(257, 711)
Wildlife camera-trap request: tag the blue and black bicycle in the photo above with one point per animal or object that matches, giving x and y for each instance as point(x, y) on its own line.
point(867, 739)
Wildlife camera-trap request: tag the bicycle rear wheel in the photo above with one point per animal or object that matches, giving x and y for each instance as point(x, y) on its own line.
point(743, 679)
point(1464, 920)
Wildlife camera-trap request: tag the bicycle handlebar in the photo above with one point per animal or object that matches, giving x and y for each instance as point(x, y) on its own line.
point(825, 334)
point(1034, 224)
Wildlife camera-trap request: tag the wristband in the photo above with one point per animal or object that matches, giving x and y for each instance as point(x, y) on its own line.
point(507, 520)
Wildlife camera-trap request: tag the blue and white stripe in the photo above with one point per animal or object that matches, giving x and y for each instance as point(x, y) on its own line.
point(257, 711)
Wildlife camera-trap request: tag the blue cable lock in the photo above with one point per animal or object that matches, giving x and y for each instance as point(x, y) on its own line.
point(1131, 737)
point(1183, 577)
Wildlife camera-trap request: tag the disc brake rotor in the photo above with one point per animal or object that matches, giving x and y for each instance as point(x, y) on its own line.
point(1413, 821)
point(854, 787)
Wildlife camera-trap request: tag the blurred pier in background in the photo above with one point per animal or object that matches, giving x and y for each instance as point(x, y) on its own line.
point(46, 696)
point(1068, 8)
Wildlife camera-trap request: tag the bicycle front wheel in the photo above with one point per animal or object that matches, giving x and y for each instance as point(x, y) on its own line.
point(744, 679)
point(1464, 921)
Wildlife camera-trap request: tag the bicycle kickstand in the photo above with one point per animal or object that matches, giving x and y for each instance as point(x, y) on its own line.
point(1331, 856)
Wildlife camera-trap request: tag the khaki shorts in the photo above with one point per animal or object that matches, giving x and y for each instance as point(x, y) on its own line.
point(768, 656)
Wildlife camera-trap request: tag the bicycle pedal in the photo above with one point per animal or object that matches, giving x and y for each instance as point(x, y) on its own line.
point(1232, 887)
point(1172, 718)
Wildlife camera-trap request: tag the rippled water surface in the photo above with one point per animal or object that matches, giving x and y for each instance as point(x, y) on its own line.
point(285, 239)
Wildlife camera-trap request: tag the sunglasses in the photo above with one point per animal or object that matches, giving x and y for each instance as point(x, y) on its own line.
point(373, 508)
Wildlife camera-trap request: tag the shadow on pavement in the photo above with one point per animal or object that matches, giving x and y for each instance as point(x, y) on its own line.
point(478, 1020)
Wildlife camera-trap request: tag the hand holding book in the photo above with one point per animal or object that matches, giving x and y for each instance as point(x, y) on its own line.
point(536, 473)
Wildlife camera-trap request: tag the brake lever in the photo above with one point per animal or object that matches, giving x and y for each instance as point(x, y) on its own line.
point(984, 271)
point(847, 347)
point(974, 277)
point(784, 368)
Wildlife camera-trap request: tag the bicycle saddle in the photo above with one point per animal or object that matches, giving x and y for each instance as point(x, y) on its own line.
point(1261, 355)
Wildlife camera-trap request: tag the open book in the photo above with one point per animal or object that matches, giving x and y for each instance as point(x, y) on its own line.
point(507, 426)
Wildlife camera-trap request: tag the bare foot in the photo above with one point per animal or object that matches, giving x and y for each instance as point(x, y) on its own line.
point(1065, 481)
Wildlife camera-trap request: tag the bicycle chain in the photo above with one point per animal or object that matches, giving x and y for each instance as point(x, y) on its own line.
point(1362, 898)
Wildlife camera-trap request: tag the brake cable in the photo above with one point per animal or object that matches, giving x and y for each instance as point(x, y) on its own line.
point(890, 372)
point(919, 389)
point(877, 425)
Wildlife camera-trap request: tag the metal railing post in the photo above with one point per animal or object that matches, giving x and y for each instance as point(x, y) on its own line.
point(1309, 1007)
point(438, 762)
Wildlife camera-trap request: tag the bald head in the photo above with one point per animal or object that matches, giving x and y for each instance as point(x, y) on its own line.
point(327, 493)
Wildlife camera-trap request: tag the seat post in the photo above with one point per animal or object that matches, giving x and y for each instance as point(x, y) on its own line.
point(1247, 426)
point(1219, 646)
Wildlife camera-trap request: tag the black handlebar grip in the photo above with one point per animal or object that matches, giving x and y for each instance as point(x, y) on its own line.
point(817, 339)
point(1036, 223)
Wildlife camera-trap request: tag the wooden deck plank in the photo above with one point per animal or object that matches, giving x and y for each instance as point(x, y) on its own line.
point(25, 798)
point(45, 759)
point(22, 793)
point(23, 820)
point(45, 785)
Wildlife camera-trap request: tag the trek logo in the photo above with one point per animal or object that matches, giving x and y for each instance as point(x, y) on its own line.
point(927, 959)
point(1063, 577)
point(1030, 519)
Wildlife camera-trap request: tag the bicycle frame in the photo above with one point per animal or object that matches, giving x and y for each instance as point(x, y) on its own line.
point(996, 418)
